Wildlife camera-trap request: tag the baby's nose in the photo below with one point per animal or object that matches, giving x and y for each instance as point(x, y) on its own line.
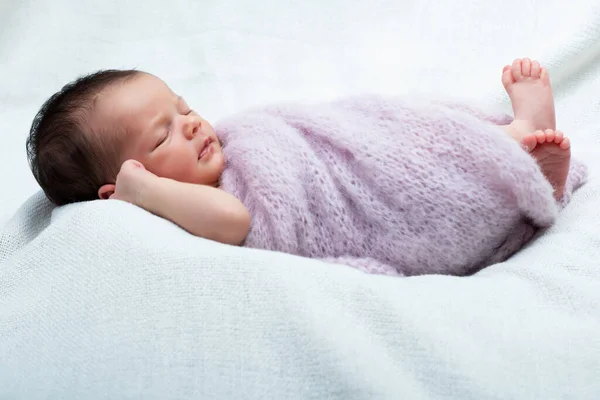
point(192, 126)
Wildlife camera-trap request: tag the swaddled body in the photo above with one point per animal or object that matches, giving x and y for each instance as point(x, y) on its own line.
point(386, 185)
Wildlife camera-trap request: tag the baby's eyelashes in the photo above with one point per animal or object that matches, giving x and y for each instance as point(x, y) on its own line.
point(161, 140)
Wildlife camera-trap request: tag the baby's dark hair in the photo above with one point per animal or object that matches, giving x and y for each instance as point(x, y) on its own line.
point(67, 159)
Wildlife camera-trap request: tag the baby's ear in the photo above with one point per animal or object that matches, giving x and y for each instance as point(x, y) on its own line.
point(106, 191)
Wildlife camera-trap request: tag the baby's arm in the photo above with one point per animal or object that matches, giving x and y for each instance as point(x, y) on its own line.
point(201, 210)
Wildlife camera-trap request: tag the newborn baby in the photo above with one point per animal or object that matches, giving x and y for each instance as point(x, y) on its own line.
point(125, 135)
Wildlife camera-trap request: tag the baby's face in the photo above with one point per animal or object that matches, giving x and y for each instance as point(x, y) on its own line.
point(161, 131)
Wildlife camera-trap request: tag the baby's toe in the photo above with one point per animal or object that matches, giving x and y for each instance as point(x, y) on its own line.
point(507, 77)
point(535, 69)
point(550, 135)
point(558, 137)
point(526, 67)
point(529, 142)
point(540, 136)
point(516, 69)
point(544, 75)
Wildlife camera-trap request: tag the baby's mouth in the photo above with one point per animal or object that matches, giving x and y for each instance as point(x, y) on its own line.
point(205, 147)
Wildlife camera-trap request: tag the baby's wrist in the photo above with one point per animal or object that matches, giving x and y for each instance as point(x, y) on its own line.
point(147, 190)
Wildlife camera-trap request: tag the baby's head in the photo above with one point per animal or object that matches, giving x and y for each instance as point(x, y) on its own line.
point(82, 135)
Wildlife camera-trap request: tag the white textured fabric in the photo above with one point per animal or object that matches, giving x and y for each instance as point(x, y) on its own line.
point(103, 301)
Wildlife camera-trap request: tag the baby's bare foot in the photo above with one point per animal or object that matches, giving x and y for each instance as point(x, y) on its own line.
point(528, 86)
point(552, 150)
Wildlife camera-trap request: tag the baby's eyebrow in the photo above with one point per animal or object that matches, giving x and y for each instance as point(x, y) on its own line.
point(181, 102)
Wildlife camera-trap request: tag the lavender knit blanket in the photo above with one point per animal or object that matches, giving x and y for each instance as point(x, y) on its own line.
point(389, 186)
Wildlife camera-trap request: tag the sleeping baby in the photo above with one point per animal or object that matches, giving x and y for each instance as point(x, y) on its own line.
point(394, 186)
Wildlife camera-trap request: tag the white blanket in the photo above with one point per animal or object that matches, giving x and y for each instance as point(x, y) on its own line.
point(104, 301)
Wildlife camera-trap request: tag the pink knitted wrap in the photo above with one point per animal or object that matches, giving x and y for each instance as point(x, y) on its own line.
point(389, 186)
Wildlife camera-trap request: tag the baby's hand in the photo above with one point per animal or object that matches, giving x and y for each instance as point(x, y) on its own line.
point(132, 183)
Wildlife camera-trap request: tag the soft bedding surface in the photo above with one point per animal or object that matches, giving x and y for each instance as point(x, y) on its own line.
point(103, 301)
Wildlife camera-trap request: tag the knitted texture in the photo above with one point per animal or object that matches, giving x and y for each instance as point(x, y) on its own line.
point(389, 186)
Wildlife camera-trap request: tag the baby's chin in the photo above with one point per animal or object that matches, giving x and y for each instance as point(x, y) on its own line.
point(204, 173)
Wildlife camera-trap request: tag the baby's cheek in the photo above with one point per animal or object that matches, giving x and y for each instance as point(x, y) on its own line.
point(221, 163)
point(181, 168)
point(160, 167)
point(173, 163)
